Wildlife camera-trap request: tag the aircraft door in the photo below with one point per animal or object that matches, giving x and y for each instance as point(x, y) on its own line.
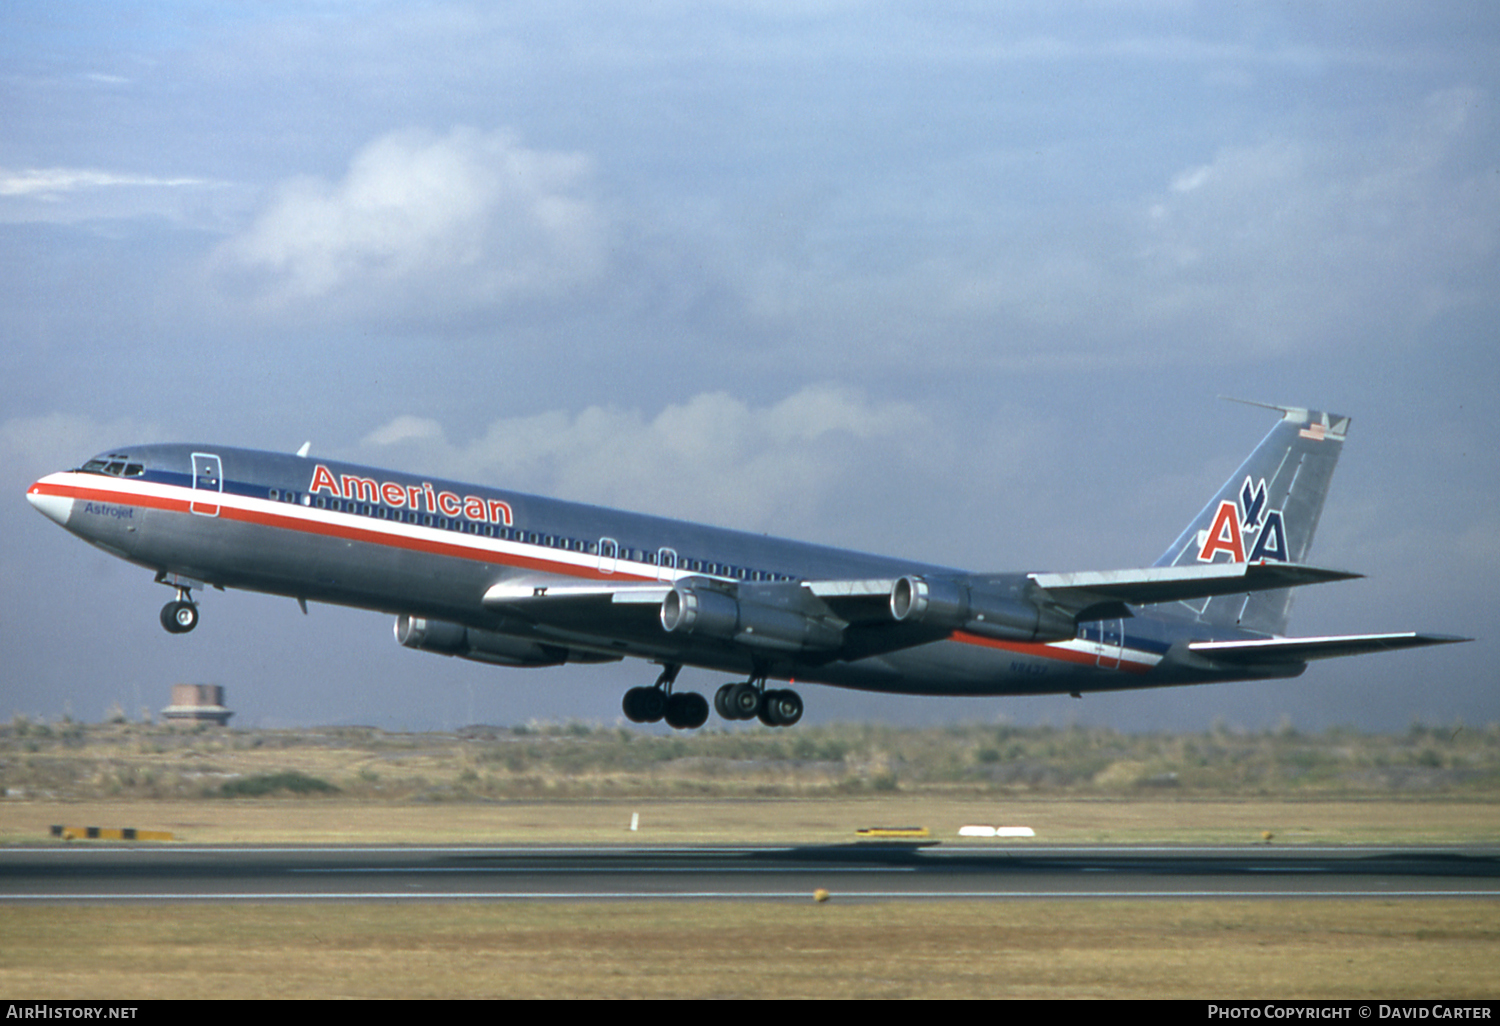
point(208, 484)
point(666, 564)
point(609, 554)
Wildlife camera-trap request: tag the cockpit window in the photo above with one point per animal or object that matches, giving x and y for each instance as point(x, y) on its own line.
point(115, 464)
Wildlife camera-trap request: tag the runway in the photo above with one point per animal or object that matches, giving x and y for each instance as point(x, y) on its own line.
point(849, 872)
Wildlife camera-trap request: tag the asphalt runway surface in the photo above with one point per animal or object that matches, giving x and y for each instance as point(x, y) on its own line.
point(88, 872)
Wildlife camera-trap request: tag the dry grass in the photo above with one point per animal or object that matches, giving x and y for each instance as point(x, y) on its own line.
point(767, 821)
point(78, 761)
point(1027, 949)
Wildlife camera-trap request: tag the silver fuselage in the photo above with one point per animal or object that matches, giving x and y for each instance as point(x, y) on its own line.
point(325, 531)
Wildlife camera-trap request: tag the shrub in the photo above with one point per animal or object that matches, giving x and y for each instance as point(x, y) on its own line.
point(262, 784)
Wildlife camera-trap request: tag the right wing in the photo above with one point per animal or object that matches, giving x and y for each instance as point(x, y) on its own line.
point(855, 618)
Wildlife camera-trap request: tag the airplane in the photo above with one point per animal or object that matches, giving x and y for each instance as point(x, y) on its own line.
point(518, 580)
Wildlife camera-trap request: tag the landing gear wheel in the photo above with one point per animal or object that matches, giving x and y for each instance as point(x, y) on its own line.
point(179, 617)
point(738, 700)
point(743, 701)
point(686, 710)
point(644, 705)
point(781, 708)
point(721, 702)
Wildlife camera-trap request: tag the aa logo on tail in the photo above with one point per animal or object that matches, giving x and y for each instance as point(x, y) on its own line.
point(1245, 522)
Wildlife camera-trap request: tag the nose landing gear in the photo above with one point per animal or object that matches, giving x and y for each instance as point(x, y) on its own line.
point(181, 616)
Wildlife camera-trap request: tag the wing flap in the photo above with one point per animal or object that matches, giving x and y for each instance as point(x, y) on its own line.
point(541, 592)
point(861, 601)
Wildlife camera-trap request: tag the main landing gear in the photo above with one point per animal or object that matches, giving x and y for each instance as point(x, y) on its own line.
point(688, 710)
point(747, 700)
point(683, 710)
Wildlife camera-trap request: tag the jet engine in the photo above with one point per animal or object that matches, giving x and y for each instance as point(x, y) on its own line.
point(953, 604)
point(452, 639)
point(706, 612)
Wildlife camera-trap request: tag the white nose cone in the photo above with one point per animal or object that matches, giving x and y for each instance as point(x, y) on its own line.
point(54, 507)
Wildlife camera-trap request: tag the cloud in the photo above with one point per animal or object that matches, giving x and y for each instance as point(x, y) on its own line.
point(53, 182)
point(421, 223)
point(406, 428)
point(1302, 242)
point(712, 457)
point(71, 195)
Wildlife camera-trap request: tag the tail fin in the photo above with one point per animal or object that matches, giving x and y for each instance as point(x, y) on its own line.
point(1267, 511)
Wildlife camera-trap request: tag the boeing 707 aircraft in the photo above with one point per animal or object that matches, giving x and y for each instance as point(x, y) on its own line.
point(523, 581)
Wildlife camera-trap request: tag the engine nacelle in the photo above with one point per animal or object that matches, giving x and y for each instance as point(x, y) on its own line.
point(705, 612)
point(452, 639)
point(953, 605)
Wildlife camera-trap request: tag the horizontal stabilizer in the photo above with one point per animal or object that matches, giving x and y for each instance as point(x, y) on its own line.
point(1298, 650)
point(1176, 583)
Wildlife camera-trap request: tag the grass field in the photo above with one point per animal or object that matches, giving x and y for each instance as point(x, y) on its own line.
point(769, 821)
point(1028, 949)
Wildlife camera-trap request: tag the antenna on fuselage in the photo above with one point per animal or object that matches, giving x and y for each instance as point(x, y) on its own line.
point(306, 448)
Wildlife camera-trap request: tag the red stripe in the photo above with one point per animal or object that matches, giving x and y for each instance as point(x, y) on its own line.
point(1041, 651)
point(345, 532)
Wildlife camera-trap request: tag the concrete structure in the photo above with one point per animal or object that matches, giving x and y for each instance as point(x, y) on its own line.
point(197, 703)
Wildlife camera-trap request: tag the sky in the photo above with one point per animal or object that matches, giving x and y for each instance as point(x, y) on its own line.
point(955, 282)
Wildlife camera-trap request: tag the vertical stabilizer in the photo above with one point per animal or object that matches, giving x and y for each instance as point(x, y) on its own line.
point(1266, 512)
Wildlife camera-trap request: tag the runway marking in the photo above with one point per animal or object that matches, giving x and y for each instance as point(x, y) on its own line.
point(597, 870)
